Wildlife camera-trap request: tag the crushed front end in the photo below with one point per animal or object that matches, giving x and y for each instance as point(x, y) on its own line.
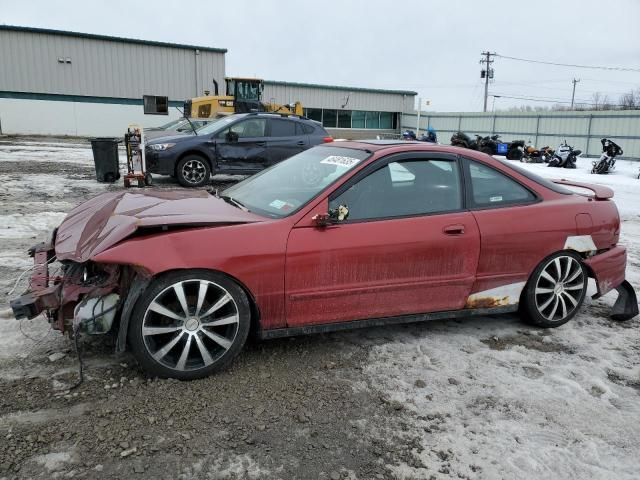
point(82, 296)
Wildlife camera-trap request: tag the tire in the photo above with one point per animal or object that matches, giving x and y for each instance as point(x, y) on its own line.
point(193, 171)
point(170, 342)
point(148, 179)
point(555, 291)
point(600, 168)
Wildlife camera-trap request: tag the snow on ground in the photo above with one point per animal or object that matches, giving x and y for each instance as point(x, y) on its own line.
point(29, 151)
point(494, 398)
point(46, 185)
point(18, 225)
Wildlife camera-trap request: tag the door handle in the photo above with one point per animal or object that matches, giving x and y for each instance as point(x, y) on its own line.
point(300, 143)
point(457, 229)
point(261, 144)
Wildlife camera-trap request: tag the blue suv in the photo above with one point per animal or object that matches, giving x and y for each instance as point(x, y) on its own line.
point(242, 144)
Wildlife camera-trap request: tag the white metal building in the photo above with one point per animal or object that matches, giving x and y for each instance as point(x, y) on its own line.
point(67, 83)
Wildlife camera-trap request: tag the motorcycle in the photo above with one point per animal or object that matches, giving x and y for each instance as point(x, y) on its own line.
point(515, 150)
point(564, 157)
point(607, 161)
point(532, 154)
point(489, 145)
point(430, 136)
point(461, 139)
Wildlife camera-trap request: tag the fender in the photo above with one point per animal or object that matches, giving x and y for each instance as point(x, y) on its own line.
point(138, 286)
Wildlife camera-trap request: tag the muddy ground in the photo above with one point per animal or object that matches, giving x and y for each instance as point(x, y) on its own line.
point(373, 404)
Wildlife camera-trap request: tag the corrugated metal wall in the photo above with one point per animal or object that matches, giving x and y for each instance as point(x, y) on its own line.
point(582, 130)
point(334, 97)
point(29, 63)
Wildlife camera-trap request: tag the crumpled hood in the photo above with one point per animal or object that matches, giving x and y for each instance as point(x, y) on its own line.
point(105, 220)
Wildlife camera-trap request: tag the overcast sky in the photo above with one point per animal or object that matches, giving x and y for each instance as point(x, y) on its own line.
point(429, 46)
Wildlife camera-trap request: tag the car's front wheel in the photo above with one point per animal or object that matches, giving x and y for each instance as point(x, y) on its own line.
point(188, 324)
point(556, 290)
point(193, 171)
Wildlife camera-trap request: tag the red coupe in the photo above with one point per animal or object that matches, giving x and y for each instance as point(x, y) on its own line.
point(343, 236)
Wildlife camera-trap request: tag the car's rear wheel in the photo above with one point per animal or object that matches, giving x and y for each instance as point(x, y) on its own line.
point(189, 324)
point(193, 171)
point(556, 290)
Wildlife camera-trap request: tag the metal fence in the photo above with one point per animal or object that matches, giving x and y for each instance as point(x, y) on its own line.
point(582, 130)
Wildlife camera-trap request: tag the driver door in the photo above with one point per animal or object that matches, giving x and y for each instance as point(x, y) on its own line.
point(408, 246)
point(243, 146)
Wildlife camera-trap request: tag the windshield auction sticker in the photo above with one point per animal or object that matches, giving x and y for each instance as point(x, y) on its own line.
point(340, 161)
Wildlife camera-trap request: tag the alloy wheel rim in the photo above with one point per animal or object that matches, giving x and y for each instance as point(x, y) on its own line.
point(190, 325)
point(193, 171)
point(559, 288)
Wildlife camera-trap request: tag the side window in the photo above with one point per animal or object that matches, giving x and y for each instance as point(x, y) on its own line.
point(491, 188)
point(411, 187)
point(253, 127)
point(282, 128)
point(302, 129)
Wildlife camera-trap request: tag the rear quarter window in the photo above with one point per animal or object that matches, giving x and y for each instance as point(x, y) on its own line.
point(490, 188)
point(304, 129)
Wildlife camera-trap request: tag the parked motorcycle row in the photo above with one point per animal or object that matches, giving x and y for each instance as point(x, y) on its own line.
point(565, 156)
point(490, 145)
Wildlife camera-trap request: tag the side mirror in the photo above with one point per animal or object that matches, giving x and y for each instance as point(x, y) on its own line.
point(322, 219)
point(335, 215)
point(231, 136)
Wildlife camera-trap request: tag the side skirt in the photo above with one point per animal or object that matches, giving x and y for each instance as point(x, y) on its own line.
point(378, 322)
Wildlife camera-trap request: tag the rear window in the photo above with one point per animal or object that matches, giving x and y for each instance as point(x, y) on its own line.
point(540, 180)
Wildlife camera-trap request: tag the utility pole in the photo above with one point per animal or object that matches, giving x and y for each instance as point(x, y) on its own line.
point(418, 122)
point(486, 73)
point(573, 95)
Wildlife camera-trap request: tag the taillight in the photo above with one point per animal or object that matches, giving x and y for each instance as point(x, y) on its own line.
point(327, 139)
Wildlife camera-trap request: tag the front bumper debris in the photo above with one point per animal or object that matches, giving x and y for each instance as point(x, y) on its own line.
point(626, 306)
point(84, 295)
point(608, 270)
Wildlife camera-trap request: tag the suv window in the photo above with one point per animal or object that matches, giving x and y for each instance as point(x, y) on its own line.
point(412, 187)
point(282, 128)
point(253, 127)
point(491, 188)
point(303, 129)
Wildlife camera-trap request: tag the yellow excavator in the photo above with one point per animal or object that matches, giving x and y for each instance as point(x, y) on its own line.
point(243, 95)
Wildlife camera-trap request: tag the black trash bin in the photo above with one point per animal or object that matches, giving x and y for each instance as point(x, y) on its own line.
point(105, 157)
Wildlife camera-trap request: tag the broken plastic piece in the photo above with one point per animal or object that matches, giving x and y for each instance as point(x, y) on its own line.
point(626, 306)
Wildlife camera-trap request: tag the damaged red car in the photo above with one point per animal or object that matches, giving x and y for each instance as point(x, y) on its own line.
point(338, 237)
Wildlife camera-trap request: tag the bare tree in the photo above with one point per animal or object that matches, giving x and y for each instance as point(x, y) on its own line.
point(596, 101)
point(630, 100)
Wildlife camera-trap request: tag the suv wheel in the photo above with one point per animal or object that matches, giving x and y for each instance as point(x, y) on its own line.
point(193, 171)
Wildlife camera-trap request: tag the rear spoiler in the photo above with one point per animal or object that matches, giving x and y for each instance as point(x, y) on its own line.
point(600, 192)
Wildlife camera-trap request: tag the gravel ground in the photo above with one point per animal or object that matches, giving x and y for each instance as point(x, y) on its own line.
point(420, 401)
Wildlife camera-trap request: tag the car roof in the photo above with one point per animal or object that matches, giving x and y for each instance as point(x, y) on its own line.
point(275, 115)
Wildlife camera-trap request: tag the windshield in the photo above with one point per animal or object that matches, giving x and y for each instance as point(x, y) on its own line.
point(215, 124)
point(172, 124)
point(286, 187)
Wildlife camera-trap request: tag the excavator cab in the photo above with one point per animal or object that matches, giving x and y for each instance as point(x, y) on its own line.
point(247, 93)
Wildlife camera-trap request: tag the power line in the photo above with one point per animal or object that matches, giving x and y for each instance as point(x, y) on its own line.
point(551, 100)
point(595, 67)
